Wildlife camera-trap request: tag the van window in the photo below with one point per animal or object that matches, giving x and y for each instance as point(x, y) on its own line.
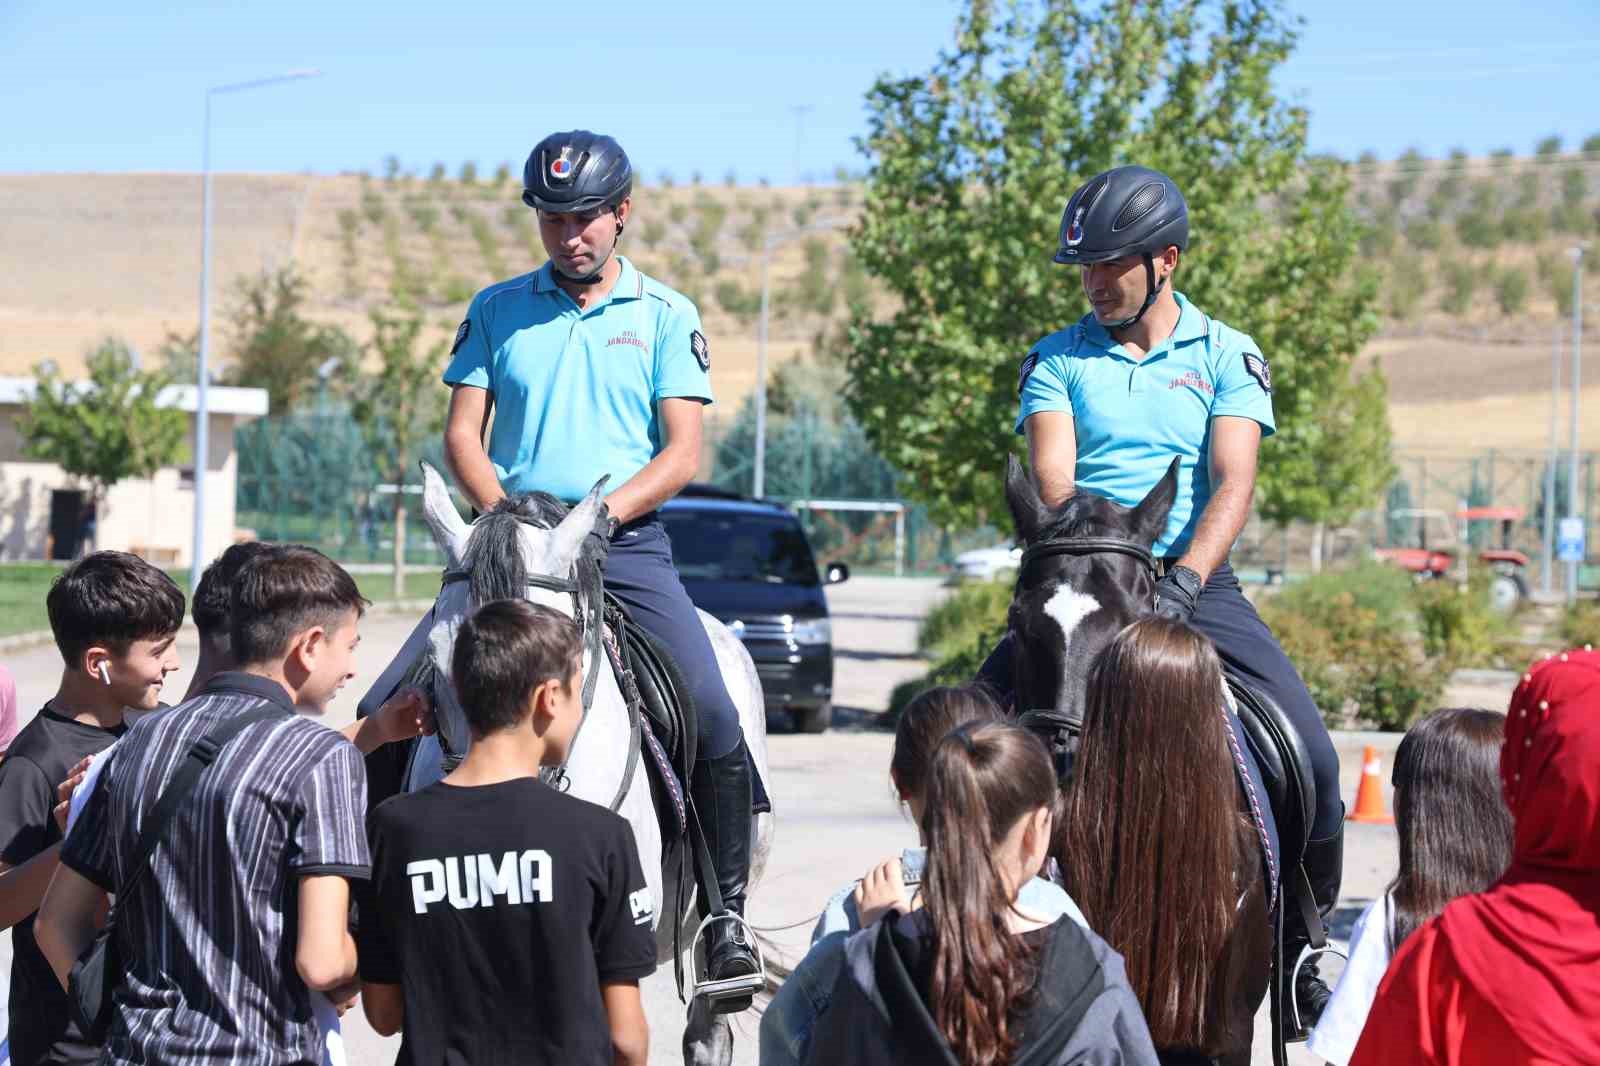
point(708, 546)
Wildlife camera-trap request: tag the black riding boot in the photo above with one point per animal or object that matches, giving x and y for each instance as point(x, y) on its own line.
point(721, 789)
point(1324, 863)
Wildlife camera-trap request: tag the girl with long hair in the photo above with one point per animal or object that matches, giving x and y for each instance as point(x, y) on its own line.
point(1153, 846)
point(970, 977)
point(1455, 838)
point(1512, 974)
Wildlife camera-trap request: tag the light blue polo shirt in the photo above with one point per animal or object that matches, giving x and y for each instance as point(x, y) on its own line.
point(1131, 416)
point(576, 391)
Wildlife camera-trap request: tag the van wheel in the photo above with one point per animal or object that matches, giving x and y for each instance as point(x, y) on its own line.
point(812, 719)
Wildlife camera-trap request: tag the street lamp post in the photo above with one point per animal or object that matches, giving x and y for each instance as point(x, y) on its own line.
point(202, 411)
point(758, 485)
point(1577, 384)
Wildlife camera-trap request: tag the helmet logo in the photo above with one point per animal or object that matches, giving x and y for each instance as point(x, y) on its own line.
point(561, 166)
point(1074, 235)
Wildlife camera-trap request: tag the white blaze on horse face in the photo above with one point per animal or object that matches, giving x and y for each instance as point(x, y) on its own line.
point(1069, 608)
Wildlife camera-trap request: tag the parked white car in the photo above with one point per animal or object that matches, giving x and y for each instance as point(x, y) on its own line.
point(986, 564)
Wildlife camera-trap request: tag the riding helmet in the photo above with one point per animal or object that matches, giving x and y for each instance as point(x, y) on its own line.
point(1125, 211)
point(576, 171)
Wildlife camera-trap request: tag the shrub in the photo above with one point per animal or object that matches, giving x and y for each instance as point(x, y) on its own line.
point(1574, 187)
point(1591, 144)
point(424, 214)
point(1580, 623)
point(1461, 280)
point(1511, 290)
point(1550, 145)
point(469, 173)
point(736, 300)
point(1458, 625)
point(652, 232)
point(502, 174)
point(457, 289)
point(1425, 234)
point(956, 636)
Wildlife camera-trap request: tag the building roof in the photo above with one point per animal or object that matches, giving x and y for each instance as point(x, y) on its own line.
point(242, 404)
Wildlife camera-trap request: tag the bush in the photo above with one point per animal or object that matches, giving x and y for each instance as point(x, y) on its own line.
point(1460, 279)
point(957, 636)
point(1550, 145)
point(1458, 625)
point(1580, 624)
point(1511, 290)
point(1425, 234)
point(1591, 144)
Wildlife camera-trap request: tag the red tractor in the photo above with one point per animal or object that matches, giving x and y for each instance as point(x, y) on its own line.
point(1507, 588)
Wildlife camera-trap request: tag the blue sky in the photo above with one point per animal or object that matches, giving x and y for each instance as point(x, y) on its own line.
point(713, 87)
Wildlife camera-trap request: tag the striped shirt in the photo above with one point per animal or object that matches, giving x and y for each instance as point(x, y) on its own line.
point(208, 938)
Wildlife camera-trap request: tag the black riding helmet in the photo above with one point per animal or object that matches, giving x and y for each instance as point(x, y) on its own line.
point(576, 171)
point(1125, 211)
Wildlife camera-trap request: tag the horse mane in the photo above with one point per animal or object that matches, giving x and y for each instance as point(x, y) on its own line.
point(493, 560)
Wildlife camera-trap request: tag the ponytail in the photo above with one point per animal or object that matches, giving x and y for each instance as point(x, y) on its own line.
point(982, 780)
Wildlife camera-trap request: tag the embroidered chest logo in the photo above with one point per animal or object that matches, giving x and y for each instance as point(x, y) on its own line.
point(469, 881)
point(1192, 379)
point(628, 336)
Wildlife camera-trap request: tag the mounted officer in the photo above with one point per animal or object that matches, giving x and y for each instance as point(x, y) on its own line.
point(1108, 402)
point(599, 370)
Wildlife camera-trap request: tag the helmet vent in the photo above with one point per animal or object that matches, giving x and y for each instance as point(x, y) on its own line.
point(1092, 193)
point(1140, 204)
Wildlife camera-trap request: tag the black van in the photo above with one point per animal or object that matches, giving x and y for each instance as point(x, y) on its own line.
point(748, 563)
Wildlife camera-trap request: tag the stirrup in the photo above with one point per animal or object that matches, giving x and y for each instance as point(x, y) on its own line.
point(727, 987)
point(1307, 953)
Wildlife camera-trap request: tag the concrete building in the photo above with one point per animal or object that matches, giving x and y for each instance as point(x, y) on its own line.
point(40, 504)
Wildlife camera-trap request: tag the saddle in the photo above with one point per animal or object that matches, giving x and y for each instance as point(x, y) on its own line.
point(668, 708)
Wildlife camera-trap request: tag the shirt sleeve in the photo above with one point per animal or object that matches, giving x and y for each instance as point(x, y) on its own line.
point(330, 836)
point(90, 847)
point(683, 357)
point(374, 941)
point(622, 932)
point(1244, 385)
point(1334, 1038)
point(26, 799)
point(1044, 385)
point(471, 361)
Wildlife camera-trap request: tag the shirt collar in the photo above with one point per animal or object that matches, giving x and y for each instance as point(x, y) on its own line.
point(629, 286)
point(252, 685)
point(1192, 325)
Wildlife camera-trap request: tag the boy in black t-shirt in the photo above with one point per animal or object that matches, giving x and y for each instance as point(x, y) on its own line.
point(508, 923)
point(115, 619)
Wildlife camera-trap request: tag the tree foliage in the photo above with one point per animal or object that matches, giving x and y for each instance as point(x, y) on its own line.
point(108, 429)
point(972, 162)
point(273, 346)
point(398, 406)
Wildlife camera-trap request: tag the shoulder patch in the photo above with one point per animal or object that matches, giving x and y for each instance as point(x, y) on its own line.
point(1256, 366)
point(702, 354)
point(461, 334)
point(1027, 368)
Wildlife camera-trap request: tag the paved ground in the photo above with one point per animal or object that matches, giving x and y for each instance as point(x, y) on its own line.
point(836, 813)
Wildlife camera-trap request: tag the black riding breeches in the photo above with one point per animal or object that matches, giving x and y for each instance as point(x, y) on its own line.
point(1250, 650)
point(639, 572)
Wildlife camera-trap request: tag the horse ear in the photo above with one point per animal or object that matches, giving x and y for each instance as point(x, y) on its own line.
point(1150, 516)
point(567, 538)
point(440, 513)
point(1028, 511)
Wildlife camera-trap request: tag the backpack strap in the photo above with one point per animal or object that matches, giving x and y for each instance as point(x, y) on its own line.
point(201, 754)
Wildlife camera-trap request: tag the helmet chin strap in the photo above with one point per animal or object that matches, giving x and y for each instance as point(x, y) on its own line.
point(1153, 290)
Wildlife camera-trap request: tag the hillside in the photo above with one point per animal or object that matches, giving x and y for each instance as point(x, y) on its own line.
point(1471, 253)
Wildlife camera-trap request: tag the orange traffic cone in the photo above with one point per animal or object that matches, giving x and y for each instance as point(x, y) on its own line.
point(1369, 797)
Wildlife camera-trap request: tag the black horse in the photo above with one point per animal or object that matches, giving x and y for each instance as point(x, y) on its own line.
point(1087, 572)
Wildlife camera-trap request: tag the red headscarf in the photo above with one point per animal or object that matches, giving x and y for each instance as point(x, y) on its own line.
point(1512, 975)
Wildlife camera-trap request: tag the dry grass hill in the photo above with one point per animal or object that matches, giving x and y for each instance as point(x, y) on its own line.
point(1472, 255)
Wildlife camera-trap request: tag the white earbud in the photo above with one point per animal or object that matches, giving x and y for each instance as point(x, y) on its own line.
point(105, 673)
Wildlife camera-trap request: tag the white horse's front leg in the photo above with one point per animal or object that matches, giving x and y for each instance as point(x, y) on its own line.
point(708, 1038)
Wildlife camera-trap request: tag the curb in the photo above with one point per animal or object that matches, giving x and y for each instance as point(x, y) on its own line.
point(35, 637)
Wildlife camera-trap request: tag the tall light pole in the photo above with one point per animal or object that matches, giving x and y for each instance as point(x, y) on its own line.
point(1577, 384)
point(770, 241)
point(1548, 568)
point(202, 411)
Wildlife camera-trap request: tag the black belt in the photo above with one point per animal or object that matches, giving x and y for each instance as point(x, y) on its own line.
point(637, 523)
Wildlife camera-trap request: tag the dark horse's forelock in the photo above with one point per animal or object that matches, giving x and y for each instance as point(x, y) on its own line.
point(1084, 515)
point(496, 568)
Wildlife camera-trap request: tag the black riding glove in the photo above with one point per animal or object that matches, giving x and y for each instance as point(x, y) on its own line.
point(605, 527)
point(1178, 593)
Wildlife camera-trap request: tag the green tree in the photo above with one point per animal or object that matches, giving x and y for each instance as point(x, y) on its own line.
point(391, 168)
point(468, 175)
point(111, 428)
point(1550, 145)
point(272, 345)
point(1591, 144)
point(398, 406)
point(1460, 279)
point(972, 161)
point(1340, 461)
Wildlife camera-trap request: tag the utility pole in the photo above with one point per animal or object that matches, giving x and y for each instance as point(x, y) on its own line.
point(1547, 569)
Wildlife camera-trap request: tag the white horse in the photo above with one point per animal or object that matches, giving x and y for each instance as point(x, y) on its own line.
point(600, 755)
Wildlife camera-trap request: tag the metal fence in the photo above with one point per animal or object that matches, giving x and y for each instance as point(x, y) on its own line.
point(310, 478)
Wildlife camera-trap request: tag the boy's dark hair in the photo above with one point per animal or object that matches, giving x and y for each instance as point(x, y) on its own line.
point(504, 650)
point(213, 597)
point(114, 599)
point(282, 592)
